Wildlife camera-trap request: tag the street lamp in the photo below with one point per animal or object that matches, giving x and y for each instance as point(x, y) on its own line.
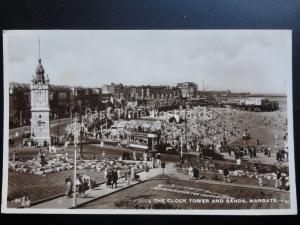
point(276, 143)
point(186, 124)
point(81, 134)
point(57, 129)
point(203, 149)
point(181, 141)
point(75, 130)
point(181, 145)
point(198, 150)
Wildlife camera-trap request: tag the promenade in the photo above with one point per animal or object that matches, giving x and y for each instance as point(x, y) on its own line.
point(102, 191)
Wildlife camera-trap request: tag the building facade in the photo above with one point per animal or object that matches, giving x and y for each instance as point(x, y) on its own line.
point(86, 98)
point(19, 105)
point(142, 92)
point(188, 89)
point(60, 101)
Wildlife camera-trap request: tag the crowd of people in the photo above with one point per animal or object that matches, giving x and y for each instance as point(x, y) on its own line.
point(24, 201)
point(227, 130)
point(219, 129)
point(206, 130)
point(209, 170)
point(111, 174)
point(82, 185)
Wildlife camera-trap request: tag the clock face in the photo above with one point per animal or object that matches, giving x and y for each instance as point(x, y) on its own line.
point(39, 97)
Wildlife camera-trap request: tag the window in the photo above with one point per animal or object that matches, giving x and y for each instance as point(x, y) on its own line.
point(143, 141)
point(62, 96)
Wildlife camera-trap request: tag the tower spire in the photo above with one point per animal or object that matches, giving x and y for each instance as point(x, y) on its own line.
point(39, 49)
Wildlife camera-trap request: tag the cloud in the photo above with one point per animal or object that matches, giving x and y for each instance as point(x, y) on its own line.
point(238, 60)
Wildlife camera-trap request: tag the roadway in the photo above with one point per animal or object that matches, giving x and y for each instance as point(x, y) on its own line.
point(56, 129)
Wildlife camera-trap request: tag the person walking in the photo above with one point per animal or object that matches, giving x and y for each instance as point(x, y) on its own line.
point(85, 186)
point(27, 202)
point(114, 178)
point(269, 151)
point(105, 173)
point(119, 173)
point(23, 202)
point(132, 174)
point(134, 156)
point(68, 183)
point(79, 185)
point(226, 176)
point(128, 175)
point(229, 150)
point(250, 152)
point(265, 151)
point(190, 172)
point(257, 142)
point(109, 179)
point(125, 172)
point(196, 173)
point(53, 150)
point(119, 144)
point(14, 156)
point(278, 179)
point(146, 171)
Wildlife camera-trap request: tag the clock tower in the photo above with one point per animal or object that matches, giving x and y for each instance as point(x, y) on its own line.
point(40, 127)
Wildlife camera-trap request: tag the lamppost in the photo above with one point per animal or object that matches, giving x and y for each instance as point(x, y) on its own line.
point(198, 150)
point(181, 141)
point(181, 145)
point(21, 118)
point(185, 112)
point(203, 144)
point(75, 130)
point(81, 134)
point(57, 129)
point(186, 125)
point(71, 113)
point(276, 143)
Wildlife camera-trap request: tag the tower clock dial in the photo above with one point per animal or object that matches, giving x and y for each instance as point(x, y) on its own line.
point(39, 97)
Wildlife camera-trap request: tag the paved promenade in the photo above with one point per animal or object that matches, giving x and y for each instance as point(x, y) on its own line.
point(100, 191)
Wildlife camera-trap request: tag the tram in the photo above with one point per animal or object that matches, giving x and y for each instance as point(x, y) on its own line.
point(142, 141)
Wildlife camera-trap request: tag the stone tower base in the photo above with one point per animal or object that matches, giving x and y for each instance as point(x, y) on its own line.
point(42, 142)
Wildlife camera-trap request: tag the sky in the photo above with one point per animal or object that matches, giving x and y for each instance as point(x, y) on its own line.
point(236, 60)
